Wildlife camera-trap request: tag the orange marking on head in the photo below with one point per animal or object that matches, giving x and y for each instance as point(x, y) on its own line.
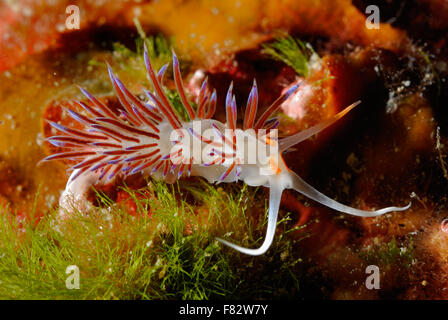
point(269, 141)
point(283, 161)
point(274, 165)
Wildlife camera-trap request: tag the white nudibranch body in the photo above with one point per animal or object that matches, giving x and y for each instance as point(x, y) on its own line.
point(148, 137)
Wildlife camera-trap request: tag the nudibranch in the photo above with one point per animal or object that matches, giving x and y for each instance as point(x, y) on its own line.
point(147, 136)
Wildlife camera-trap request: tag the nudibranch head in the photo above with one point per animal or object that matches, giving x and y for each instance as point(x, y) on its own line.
point(149, 137)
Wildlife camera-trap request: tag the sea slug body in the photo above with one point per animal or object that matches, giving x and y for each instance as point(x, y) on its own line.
point(150, 138)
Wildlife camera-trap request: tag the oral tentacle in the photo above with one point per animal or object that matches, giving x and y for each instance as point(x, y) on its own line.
point(275, 196)
point(304, 188)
